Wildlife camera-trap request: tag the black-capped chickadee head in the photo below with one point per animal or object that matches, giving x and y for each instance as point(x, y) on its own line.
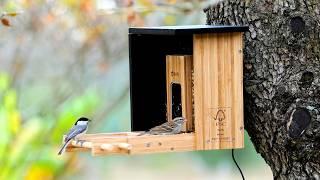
point(82, 121)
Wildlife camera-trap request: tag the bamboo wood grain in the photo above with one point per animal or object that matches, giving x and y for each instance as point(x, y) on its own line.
point(218, 92)
point(237, 90)
point(162, 143)
point(179, 70)
point(198, 54)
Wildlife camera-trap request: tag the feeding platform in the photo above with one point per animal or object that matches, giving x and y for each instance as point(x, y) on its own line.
point(191, 71)
point(130, 143)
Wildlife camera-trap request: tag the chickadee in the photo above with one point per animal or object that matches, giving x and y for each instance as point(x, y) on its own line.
point(170, 127)
point(80, 127)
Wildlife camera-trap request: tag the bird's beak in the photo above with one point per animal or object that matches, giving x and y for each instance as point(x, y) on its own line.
point(89, 120)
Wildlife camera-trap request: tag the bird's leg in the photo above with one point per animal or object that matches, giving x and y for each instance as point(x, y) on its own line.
point(80, 141)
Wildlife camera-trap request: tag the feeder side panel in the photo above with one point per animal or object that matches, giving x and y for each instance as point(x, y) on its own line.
point(218, 90)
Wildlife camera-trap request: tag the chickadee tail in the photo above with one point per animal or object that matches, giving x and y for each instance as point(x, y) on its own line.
point(63, 147)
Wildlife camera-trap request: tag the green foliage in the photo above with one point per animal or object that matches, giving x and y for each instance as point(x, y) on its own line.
point(28, 147)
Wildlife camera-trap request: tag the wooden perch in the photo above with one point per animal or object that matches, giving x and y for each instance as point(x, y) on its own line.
point(130, 143)
point(125, 146)
point(113, 147)
point(81, 144)
point(107, 147)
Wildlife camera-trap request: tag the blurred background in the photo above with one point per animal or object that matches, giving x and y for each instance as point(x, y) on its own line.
point(62, 59)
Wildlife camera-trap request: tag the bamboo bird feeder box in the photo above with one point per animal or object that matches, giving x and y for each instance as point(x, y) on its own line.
point(189, 71)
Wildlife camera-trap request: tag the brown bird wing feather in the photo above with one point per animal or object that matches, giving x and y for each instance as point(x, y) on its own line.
point(165, 128)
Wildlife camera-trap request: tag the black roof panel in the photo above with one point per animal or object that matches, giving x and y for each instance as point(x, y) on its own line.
point(186, 30)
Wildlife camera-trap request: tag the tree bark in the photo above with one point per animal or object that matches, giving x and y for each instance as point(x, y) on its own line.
point(281, 79)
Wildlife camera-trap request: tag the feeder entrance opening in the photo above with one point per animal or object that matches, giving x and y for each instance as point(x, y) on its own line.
point(176, 100)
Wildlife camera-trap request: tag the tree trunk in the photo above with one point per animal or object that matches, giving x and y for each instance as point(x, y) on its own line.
point(281, 78)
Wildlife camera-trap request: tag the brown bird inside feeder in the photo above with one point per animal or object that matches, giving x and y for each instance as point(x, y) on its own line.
point(179, 89)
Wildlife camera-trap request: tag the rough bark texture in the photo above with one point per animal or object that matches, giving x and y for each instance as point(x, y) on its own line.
point(282, 83)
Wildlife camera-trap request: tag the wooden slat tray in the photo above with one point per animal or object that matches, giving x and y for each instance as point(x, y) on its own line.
point(127, 143)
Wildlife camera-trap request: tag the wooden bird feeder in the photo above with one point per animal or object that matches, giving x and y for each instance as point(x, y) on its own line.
point(190, 71)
